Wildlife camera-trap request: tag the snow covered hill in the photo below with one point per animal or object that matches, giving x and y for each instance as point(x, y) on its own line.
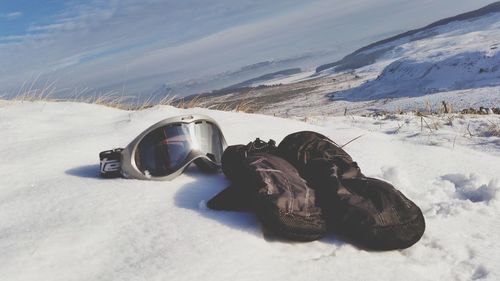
point(459, 55)
point(60, 221)
point(456, 60)
point(370, 53)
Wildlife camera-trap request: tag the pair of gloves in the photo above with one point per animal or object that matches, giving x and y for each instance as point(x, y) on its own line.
point(308, 186)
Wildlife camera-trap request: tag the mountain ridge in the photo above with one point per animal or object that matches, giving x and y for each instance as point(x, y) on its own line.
point(348, 62)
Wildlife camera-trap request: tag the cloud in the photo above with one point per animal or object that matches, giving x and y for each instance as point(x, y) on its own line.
point(11, 16)
point(69, 25)
point(102, 43)
point(78, 17)
point(14, 41)
point(98, 31)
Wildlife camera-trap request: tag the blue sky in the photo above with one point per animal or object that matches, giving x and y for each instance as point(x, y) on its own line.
point(17, 16)
point(103, 43)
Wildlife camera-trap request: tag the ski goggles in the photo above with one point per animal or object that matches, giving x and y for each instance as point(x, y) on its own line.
point(166, 149)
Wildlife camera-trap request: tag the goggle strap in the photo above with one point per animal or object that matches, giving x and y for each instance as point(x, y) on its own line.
point(110, 163)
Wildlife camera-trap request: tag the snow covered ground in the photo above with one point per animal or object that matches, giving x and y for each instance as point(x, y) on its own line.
point(316, 103)
point(60, 221)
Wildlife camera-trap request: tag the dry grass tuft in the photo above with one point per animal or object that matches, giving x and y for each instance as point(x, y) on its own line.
point(492, 130)
point(244, 106)
point(48, 92)
point(247, 106)
point(116, 99)
point(192, 103)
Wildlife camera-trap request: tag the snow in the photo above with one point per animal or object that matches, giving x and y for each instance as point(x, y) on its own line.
point(458, 63)
point(60, 221)
point(287, 79)
point(458, 56)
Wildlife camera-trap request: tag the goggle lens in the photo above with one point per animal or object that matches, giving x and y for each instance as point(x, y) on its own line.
point(166, 149)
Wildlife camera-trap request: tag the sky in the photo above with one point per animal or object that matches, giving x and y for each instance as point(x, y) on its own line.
point(139, 44)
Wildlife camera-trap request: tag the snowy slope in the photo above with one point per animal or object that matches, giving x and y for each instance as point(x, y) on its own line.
point(455, 60)
point(459, 55)
point(60, 221)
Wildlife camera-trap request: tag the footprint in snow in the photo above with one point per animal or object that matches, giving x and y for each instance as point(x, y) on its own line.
point(481, 272)
point(470, 188)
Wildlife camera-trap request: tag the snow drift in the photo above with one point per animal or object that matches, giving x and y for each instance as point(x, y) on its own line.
point(60, 221)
